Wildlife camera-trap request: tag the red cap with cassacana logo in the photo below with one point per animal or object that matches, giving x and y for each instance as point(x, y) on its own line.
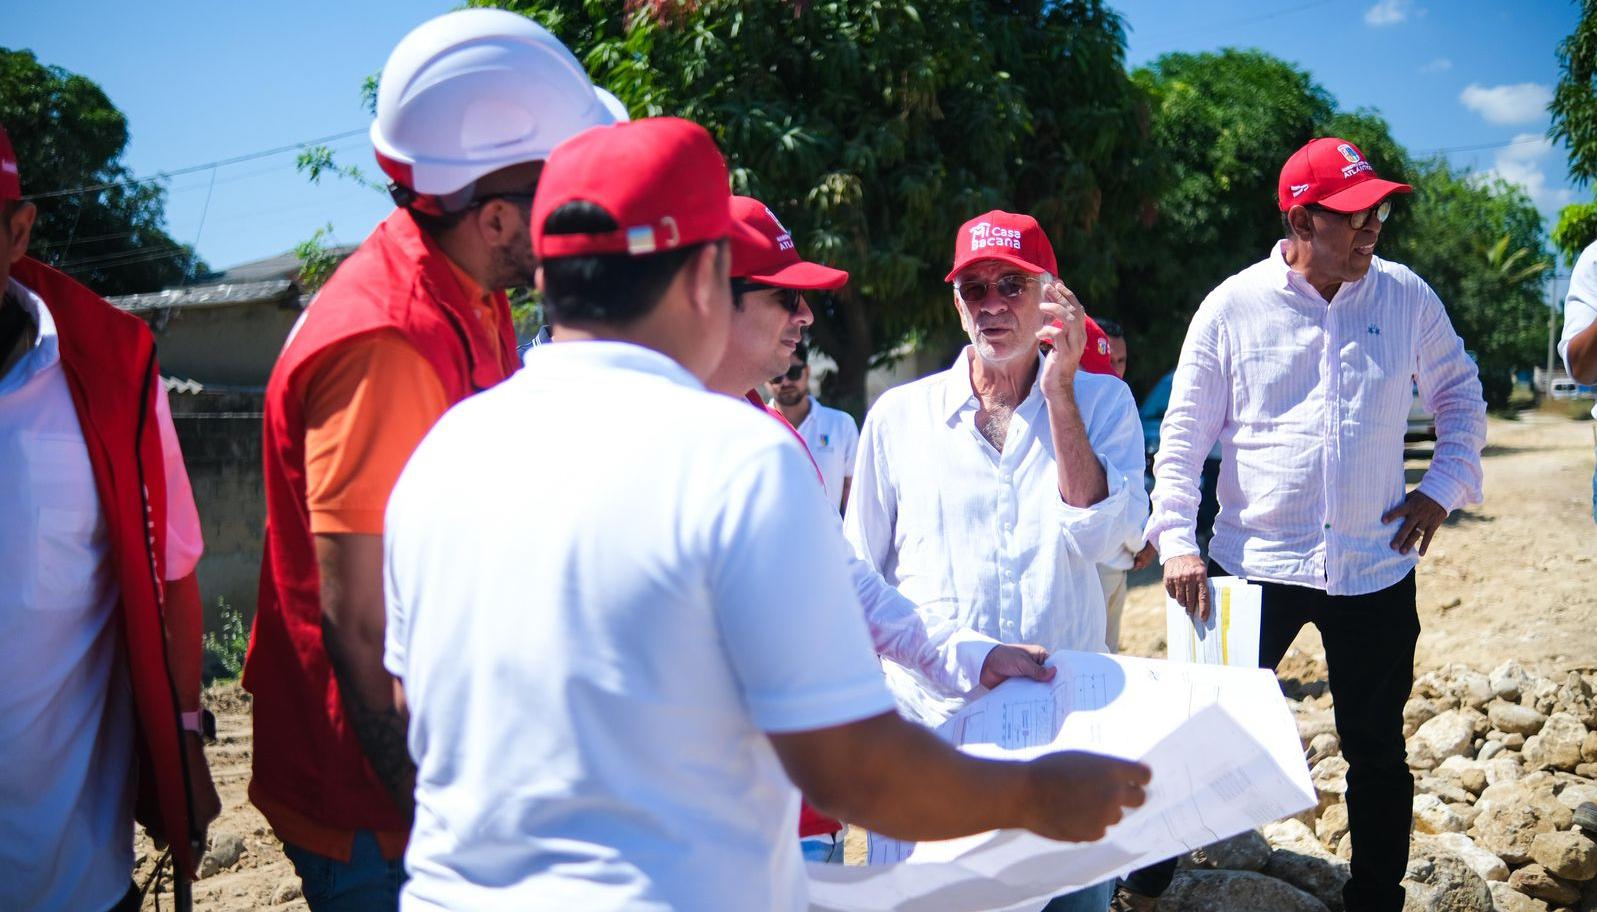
point(661, 179)
point(1006, 237)
point(1333, 173)
point(766, 252)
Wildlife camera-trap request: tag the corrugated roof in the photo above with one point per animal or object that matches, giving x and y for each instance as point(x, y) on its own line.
point(222, 294)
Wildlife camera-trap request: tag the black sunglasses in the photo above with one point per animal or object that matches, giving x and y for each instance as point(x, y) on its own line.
point(1009, 287)
point(1357, 220)
point(793, 373)
point(787, 297)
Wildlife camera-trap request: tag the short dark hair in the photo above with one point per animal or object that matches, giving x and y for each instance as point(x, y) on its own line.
point(614, 288)
point(802, 352)
point(1111, 329)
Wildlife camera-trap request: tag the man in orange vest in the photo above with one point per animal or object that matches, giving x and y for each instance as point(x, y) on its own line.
point(99, 609)
point(469, 105)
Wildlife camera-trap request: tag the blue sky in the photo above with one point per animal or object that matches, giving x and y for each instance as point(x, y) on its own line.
point(204, 81)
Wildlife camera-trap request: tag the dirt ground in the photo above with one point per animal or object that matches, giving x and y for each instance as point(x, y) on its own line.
point(1515, 577)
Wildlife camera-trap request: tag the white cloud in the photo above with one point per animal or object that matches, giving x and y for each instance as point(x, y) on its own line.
point(1439, 65)
point(1522, 103)
point(1390, 12)
point(1521, 163)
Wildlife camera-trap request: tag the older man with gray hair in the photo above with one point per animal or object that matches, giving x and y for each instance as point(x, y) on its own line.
point(989, 492)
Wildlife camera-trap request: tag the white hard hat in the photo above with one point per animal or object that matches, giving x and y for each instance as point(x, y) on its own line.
point(618, 111)
point(474, 91)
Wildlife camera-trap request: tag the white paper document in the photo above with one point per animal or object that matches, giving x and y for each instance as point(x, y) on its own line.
point(1231, 634)
point(1221, 744)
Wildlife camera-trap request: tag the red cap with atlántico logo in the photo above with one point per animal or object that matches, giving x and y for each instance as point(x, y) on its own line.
point(1333, 173)
point(767, 254)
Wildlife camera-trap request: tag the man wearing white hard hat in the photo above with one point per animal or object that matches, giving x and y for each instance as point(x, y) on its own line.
point(468, 106)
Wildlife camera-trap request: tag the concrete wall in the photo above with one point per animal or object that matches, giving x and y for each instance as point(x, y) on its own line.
point(221, 440)
point(233, 345)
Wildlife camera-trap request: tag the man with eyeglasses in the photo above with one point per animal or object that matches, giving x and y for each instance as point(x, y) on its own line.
point(1300, 366)
point(831, 434)
point(413, 322)
point(989, 493)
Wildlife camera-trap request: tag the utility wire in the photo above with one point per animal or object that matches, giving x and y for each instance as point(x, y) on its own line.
point(192, 169)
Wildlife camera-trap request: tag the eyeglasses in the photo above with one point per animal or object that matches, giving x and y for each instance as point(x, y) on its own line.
point(788, 298)
point(1357, 220)
point(792, 375)
point(1009, 287)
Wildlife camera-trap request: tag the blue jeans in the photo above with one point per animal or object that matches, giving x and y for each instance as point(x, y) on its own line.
point(1092, 899)
point(368, 881)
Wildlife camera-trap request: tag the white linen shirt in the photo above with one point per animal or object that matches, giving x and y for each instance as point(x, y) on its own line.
point(982, 537)
point(1309, 402)
point(66, 709)
point(594, 654)
point(1580, 303)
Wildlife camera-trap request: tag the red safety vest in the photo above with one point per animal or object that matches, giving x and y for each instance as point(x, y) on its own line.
point(108, 357)
point(306, 754)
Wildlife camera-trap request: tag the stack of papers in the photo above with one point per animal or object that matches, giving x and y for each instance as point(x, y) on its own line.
point(1230, 635)
point(1220, 741)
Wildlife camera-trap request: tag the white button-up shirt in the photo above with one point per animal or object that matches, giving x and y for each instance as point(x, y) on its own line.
point(980, 536)
point(66, 712)
point(1580, 304)
point(1309, 402)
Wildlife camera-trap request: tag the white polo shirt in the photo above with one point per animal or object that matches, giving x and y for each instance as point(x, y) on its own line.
point(66, 710)
point(594, 613)
point(833, 438)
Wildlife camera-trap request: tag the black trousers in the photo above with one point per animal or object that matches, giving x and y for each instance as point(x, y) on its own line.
point(1369, 654)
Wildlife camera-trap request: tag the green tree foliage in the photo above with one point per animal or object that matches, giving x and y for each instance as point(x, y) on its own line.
point(68, 134)
point(1574, 106)
point(1222, 125)
point(1479, 244)
point(1576, 230)
point(874, 128)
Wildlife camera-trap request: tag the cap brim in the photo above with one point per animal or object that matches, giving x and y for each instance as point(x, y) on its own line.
point(803, 276)
point(1363, 195)
point(996, 257)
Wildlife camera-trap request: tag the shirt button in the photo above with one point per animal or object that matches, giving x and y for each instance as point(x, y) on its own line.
point(1328, 525)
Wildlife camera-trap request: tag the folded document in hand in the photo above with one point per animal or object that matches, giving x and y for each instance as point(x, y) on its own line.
point(1220, 741)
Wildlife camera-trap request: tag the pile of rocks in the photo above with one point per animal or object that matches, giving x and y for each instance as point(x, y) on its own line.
point(1501, 760)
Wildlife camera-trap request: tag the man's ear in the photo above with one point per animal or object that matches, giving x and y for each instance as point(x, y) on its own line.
point(708, 277)
point(537, 278)
point(1302, 223)
point(20, 229)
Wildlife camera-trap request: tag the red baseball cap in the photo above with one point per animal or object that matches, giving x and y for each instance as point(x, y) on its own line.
point(1333, 173)
point(1095, 357)
point(766, 252)
point(661, 179)
point(10, 177)
point(1006, 237)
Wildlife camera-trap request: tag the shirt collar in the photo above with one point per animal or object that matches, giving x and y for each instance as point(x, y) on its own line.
point(607, 356)
point(958, 394)
point(1293, 281)
point(46, 349)
point(474, 291)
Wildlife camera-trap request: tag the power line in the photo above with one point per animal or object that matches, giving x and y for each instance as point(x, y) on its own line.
point(192, 169)
point(1447, 150)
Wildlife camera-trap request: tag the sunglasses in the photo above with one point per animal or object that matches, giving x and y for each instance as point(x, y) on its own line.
point(792, 375)
point(788, 298)
point(1357, 220)
point(1009, 287)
